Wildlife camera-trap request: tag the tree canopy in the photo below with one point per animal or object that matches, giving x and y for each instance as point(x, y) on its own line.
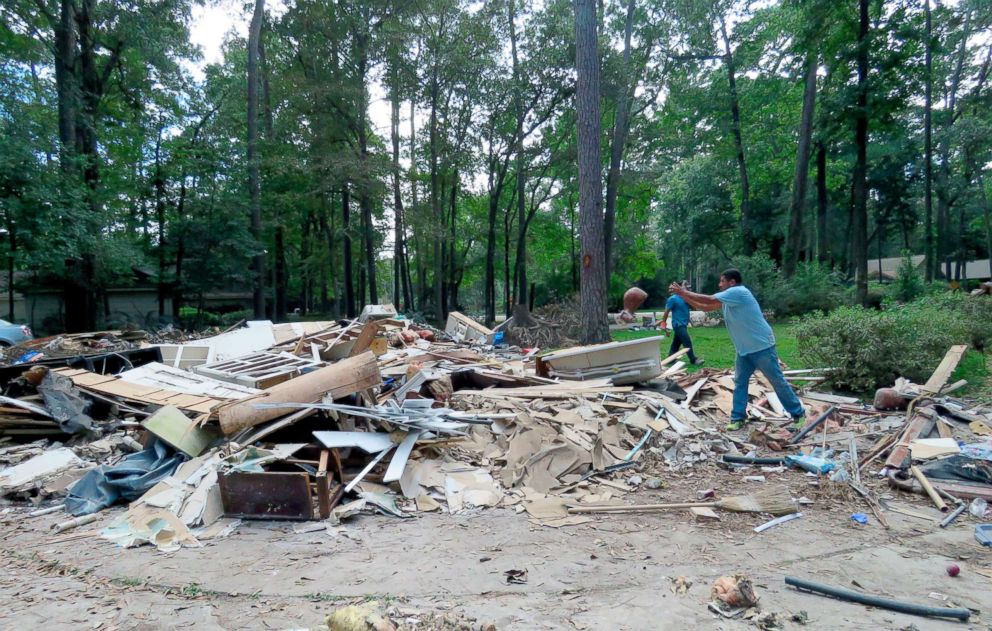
point(430, 153)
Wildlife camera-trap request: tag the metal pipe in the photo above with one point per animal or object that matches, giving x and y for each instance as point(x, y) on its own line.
point(809, 428)
point(954, 515)
point(959, 613)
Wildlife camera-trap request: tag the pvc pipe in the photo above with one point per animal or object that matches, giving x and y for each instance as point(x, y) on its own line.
point(959, 613)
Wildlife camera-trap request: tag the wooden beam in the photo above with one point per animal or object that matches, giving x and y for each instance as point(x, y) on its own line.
point(947, 365)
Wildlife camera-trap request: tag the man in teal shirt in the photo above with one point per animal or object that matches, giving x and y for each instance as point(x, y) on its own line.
point(679, 309)
point(753, 340)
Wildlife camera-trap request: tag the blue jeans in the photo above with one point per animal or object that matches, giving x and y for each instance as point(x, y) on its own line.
point(680, 338)
point(767, 362)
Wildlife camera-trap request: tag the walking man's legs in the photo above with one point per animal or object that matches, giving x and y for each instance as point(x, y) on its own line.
point(742, 375)
point(682, 335)
point(676, 342)
point(767, 362)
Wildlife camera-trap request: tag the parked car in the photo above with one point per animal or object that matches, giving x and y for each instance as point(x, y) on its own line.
point(11, 334)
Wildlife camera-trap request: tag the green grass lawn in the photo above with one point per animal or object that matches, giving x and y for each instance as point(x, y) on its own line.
point(713, 344)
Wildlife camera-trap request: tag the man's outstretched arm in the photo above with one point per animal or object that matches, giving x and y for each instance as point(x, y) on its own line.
point(699, 301)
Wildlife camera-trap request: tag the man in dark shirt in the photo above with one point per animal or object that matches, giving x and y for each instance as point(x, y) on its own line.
point(680, 325)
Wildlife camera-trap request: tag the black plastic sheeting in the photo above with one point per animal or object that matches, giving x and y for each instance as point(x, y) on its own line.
point(125, 481)
point(959, 468)
point(65, 403)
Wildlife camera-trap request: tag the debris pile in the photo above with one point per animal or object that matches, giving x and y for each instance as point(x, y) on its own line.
point(326, 421)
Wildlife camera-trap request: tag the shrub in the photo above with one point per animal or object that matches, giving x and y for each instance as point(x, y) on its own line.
point(233, 317)
point(871, 348)
point(908, 284)
point(813, 287)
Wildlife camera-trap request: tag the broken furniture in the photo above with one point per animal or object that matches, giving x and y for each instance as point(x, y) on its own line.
point(623, 362)
point(257, 370)
point(462, 328)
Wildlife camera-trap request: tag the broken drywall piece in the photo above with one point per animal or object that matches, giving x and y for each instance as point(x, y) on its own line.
point(369, 442)
point(474, 487)
point(24, 475)
point(144, 524)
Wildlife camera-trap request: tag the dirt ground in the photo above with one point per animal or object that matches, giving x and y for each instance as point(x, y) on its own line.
point(615, 572)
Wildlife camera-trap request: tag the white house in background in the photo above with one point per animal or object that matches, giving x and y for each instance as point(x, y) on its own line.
point(889, 267)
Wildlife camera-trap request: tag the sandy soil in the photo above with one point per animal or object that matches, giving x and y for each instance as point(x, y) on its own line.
point(613, 573)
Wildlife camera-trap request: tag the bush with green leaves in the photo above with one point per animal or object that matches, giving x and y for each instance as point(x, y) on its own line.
point(233, 317)
point(871, 348)
point(813, 287)
point(908, 284)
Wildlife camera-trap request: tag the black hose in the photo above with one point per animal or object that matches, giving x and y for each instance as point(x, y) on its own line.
point(959, 613)
point(732, 459)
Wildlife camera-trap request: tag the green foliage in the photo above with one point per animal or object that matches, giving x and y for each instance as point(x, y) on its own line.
point(908, 284)
point(870, 348)
point(194, 318)
point(814, 287)
point(233, 317)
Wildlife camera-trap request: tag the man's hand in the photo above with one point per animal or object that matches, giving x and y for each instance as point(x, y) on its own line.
point(677, 289)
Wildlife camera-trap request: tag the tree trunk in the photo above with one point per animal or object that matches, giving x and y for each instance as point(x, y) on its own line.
point(822, 207)
point(928, 253)
point(400, 287)
point(859, 224)
point(437, 213)
point(452, 234)
point(365, 197)
point(945, 247)
point(489, 281)
point(281, 279)
point(349, 277)
point(65, 83)
point(747, 234)
point(159, 186)
point(621, 127)
point(415, 207)
point(518, 108)
point(802, 170)
point(254, 182)
point(592, 299)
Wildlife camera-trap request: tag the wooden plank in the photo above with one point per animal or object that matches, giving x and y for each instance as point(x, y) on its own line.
point(947, 365)
point(364, 341)
point(826, 397)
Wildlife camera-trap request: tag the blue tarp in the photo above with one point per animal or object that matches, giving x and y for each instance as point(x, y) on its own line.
point(125, 481)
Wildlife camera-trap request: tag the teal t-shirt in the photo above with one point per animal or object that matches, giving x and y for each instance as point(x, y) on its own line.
point(679, 309)
point(749, 331)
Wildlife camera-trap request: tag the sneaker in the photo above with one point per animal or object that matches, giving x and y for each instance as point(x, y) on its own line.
point(699, 362)
point(798, 423)
point(733, 426)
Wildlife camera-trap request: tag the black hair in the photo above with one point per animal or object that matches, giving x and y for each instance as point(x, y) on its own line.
point(733, 274)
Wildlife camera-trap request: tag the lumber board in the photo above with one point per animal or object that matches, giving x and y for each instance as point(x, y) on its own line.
point(947, 365)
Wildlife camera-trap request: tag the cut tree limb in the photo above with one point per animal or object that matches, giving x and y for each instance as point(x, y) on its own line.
point(338, 380)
